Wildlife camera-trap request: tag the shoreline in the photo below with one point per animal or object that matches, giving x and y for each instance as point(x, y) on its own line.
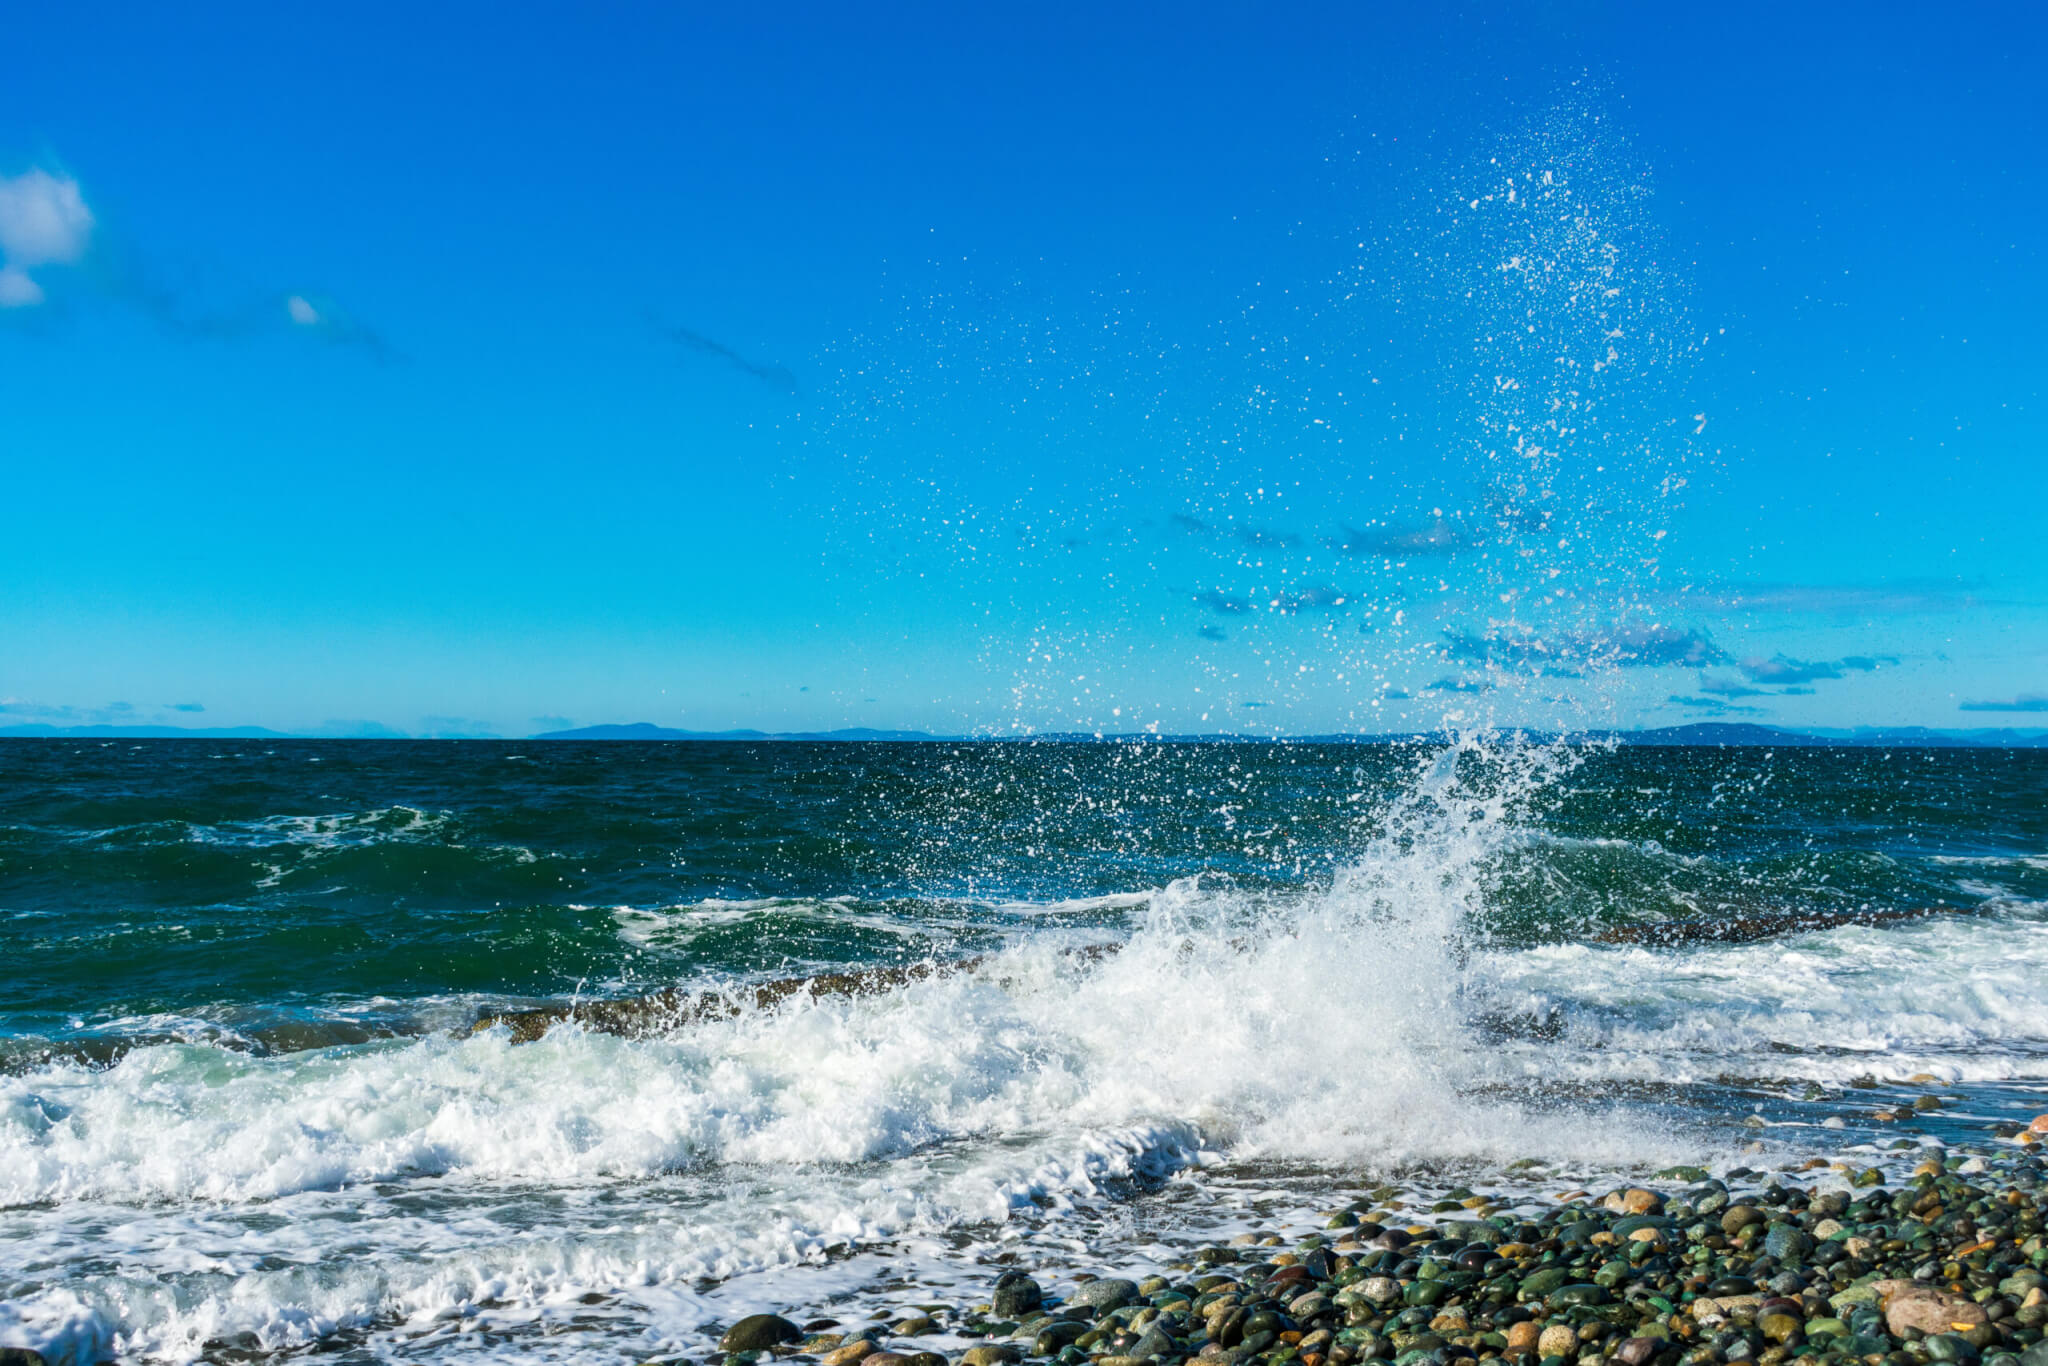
point(1901, 1251)
point(1822, 1260)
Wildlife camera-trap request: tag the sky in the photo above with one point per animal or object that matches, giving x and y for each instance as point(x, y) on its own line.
point(1263, 369)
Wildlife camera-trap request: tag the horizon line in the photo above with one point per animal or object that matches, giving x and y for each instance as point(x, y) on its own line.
point(644, 732)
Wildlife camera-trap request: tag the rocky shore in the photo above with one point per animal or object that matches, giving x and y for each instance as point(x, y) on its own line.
point(1824, 1261)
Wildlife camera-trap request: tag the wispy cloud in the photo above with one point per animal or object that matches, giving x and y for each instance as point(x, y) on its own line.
point(1713, 704)
point(1393, 541)
point(1222, 603)
point(56, 714)
point(1729, 687)
point(323, 318)
point(1252, 537)
point(1265, 538)
point(1783, 669)
point(776, 377)
point(46, 226)
point(2026, 701)
point(188, 706)
point(1317, 598)
point(1897, 597)
point(1627, 647)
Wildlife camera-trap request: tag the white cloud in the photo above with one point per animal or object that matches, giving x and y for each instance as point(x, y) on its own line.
point(43, 222)
point(17, 290)
point(302, 312)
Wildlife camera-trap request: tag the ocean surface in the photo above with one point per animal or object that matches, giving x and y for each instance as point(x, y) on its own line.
point(1186, 990)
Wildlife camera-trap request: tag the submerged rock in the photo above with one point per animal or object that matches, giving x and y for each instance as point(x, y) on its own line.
point(1016, 1295)
point(759, 1332)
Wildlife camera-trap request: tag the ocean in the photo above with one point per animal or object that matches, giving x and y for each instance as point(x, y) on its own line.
point(1080, 1007)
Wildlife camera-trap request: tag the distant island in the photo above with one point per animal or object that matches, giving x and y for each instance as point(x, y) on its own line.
point(1699, 733)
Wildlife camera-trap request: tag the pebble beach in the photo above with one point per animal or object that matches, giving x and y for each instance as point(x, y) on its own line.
point(1933, 1253)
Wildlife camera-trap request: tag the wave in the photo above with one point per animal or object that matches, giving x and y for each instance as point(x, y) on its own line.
point(1367, 1023)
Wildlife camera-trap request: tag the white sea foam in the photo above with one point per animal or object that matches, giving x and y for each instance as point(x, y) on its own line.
point(1967, 994)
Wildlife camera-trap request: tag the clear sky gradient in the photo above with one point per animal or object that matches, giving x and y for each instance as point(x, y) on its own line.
point(464, 369)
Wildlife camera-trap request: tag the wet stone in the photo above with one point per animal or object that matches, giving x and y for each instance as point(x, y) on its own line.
point(1107, 1293)
point(1016, 1295)
point(759, 1332)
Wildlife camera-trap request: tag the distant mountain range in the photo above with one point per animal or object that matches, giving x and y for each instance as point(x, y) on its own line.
point(1698, 733)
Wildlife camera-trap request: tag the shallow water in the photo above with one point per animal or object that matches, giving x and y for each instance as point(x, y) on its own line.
point(241, 1108)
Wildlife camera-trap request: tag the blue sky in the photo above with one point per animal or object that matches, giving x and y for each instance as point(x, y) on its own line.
point(474, 371)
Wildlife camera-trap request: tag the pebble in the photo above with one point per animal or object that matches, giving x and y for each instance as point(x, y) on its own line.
point(1015, 1296)
point(759, 1332)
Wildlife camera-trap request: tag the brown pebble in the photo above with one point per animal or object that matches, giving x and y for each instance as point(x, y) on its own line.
point(1637, 1351)
point(1909, 1304)
point(1634, 1200)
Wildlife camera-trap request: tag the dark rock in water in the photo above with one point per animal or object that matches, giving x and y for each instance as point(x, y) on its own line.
point(1016, 1295)
point(21, 1356)
point(662, 1011)
point(1758, 925)
point(759, 1332)
point(1108, 1293)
